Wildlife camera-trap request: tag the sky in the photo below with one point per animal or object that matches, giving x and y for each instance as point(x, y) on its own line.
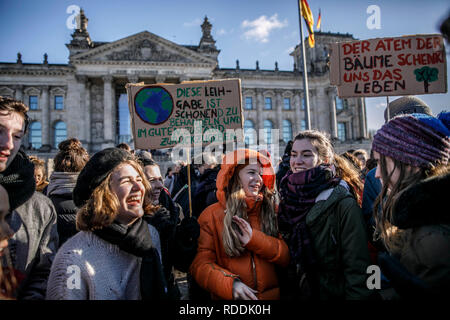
point(247, 30)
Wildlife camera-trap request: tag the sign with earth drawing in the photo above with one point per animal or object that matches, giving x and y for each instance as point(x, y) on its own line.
point(408, 65)
point(206, 109)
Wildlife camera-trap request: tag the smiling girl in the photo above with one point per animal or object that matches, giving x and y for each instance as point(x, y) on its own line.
point(239, 243)
point(116, 255)
point(322, 223)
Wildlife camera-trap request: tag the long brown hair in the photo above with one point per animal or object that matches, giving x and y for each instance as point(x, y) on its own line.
point(103, 206)
point(236, 206)
point(392, 237)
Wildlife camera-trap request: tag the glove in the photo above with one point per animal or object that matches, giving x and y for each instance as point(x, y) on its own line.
point(188, 231)
point(163, 221)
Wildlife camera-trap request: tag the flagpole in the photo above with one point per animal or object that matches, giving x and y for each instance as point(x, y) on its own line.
point(305, 71)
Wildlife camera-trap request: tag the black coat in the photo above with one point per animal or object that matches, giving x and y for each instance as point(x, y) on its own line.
point(178, 240)
point(180, 193)
point(421, 269)
point(205, 194)
point(283, 168)
point(67, 216)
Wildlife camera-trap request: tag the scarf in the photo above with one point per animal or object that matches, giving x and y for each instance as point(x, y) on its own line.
point(18, 180)
point(136, 240)
point(298, 193)
point(62, 182)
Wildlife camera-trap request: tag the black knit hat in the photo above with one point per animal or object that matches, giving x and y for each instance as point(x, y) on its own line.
point(95, 171)
point(407, 105)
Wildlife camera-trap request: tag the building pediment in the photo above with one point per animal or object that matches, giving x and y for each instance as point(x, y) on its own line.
point(144, 47)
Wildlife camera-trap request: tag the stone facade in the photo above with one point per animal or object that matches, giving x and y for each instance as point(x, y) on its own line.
point(82, 97)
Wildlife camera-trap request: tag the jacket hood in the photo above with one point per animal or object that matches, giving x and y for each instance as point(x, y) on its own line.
point(229, 163)
point(423, 203)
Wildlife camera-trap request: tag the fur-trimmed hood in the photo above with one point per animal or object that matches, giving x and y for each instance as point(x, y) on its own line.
point(423, 203)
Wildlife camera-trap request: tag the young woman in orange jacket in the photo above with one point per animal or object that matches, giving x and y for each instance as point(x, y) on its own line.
point(239, 243)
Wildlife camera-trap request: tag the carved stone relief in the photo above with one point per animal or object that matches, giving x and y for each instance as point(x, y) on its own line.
point(146, 51)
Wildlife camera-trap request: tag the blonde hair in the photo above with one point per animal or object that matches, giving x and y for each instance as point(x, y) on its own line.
point(236, 206)
point(103, 206)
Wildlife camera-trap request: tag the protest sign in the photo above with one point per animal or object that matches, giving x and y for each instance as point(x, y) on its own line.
point(206, 109)
point(408, 65)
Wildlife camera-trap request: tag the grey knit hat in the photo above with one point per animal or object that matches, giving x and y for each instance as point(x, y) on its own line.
point(407, 105)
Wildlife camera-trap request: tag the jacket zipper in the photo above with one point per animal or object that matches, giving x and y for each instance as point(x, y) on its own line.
point(254, 272)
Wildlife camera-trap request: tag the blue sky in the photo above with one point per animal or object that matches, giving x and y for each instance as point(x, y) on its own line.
point(250, 30)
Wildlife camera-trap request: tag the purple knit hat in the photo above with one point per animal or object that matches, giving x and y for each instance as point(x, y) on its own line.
point(411, 141)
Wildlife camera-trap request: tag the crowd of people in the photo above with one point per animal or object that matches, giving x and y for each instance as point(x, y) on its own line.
point(110, 226)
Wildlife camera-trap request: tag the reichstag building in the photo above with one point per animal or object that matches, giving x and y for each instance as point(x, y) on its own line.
point(86, 97)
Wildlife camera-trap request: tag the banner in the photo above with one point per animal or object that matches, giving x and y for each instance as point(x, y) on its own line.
point(408, 65)
point(203, 109)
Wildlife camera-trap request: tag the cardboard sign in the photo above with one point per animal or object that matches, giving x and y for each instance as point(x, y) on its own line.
point(206, 109)
point(409, 65)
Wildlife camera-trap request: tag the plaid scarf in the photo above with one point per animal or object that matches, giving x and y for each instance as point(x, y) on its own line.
point(298, 193)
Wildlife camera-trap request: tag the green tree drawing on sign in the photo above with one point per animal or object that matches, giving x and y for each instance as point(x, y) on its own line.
point(427, 75)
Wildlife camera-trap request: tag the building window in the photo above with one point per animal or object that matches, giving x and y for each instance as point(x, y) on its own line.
point(287, 130)
point(341, 104)
point(249, 132)
point(268, 103)
point(287, 103)
point(342, 131)
point(124, 121)
point(60, 133)
point(268, 126)
point(248, 103)
point(35, 135)
point(33, 102)
point(59, 102)
point(303, 125)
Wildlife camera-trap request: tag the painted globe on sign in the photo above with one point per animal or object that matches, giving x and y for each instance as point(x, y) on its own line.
point(154, 105)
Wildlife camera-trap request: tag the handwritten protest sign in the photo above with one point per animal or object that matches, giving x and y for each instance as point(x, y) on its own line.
point(389, 66)
point(206, 109)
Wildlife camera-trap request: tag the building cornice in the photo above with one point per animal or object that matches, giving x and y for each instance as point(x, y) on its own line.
point(143, 63)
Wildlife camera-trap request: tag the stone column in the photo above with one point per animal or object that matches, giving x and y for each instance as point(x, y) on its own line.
point(84, 125)
point(279, 107)
point(313, 110)
point(297, 104)
point(161, 79)
point(362, 118)
point(46, 119)
point(108, 126)
point(133, 78)
point(88, 115)
point(333, 119)
point(19, 93)
point(259, 109)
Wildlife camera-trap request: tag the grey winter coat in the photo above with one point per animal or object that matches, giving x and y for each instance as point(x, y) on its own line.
point(34, 244)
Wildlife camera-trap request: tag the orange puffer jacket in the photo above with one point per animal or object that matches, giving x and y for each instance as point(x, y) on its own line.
point(213, 269)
